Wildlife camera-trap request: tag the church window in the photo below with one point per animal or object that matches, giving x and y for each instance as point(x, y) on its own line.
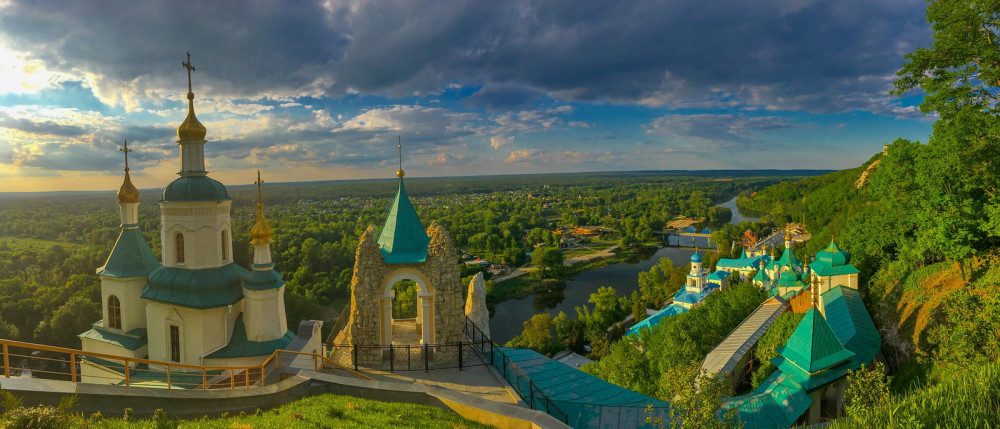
point(225, 253)
point(175, 343)
point(179, 247)
point(114, 312)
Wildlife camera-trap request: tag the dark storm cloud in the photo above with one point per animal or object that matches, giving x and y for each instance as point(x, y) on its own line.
point(713, 132)
point(817, 56)
point(45, 128)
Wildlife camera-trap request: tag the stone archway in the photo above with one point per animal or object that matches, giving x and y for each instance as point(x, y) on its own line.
point(442, 315)
point(425, 306)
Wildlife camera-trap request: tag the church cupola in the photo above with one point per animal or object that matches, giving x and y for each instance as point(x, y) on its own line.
point(263, 287)
point(403, 239)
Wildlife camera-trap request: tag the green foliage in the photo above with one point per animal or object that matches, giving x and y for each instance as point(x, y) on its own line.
point(537, 335)
point(767, 348)
point(677, 340)
point(661, 282)
point(9, 402)
point(35, 418)
point(548, 260)
point(867, 390)
point(966, 399)
point(696, 399)
point(969, 329)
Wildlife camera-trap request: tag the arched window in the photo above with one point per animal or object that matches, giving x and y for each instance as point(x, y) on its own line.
point(114, 313)
point(179, 248)
point(225, 251)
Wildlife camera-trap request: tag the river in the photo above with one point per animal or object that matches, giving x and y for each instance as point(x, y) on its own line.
point(509, 316)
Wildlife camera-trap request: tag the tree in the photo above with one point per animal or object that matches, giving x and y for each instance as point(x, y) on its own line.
point(72, 318)
point(696, 399)
point(549, 260)
point(867, 390)
point(537, 335)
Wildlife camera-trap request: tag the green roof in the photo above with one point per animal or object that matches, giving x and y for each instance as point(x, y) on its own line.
point(195, 188)
point(813, 346)
point(403, 239)
point(852, 324)
point(587, 401)
point(130, 257)
point(833, 255)
point(777, 403)
point(263, 280)
point(823, 268)
point(132, 340)
point(788, 258)
point(240, 346)
point(206, 288)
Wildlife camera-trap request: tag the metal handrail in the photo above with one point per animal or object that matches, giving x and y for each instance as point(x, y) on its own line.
point(506, 362)
point(129, 365)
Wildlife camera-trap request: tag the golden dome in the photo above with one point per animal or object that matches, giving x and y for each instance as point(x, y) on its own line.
point(400, 173)
point(127, 193)
point(261, 231)
point(191, 128)
point(788, 236)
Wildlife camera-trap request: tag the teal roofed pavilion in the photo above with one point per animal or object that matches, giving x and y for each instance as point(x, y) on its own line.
point(403, 239)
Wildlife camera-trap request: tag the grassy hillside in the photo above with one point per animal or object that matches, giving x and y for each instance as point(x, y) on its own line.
point(323, 411)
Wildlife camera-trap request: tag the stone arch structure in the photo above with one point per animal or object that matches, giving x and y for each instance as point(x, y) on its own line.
point(441, 302)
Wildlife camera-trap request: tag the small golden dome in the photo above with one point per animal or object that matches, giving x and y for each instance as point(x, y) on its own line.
point(400, 173)
point(191, 128)
point(127, 193)
point(261, 231)
point(788, 236)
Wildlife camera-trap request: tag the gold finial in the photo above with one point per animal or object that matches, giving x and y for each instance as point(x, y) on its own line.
point(191, 128)
point(400, 173)
point(261, 232)
point(127, 193)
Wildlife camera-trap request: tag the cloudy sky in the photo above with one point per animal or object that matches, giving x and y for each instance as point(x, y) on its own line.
point(320, 90)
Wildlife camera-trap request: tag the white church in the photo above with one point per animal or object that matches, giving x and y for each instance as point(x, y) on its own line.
point(196, 306)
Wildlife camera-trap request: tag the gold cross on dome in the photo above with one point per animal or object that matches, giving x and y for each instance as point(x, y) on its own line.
point(189, 67)
point(126, 150)
point(400, 147)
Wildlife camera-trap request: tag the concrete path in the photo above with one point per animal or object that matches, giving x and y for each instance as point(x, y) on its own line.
point(479, 381)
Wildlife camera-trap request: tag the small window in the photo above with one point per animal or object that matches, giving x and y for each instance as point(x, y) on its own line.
point(225, 250)
point(114, 312)
point(175, 343)
point(179, 248)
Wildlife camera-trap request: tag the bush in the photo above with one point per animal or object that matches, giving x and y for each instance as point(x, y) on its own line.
point(35, 418)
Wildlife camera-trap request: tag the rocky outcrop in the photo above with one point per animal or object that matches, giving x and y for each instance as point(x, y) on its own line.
point(475, 304)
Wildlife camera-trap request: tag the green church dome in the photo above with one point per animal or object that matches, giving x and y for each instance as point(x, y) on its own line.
point(195, 188)
point(205, 288)
point(834, 256)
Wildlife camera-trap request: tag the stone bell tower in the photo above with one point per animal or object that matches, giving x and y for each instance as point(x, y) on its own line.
point(404, 251)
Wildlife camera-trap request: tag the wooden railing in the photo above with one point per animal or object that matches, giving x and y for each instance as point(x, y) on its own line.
point(40, 359)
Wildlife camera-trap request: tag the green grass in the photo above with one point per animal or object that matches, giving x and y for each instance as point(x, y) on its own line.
point(969, 398)
point(323, 411)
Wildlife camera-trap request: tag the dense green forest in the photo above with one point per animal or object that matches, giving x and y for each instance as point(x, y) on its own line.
point(51, 245)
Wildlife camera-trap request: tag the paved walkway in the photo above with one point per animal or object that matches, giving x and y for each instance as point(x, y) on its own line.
point(479, 381)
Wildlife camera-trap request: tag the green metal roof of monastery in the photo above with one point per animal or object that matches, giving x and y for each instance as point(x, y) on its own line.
point(132, 340)
point(788, 258)
point(587, 400)
point(761, 276)
point(852, 324)
point(195, 188)
point(777, 403)
point(263, 280)
point(240, 346)
point(403, 239)
point(131, 256)
point(813, 346)
point(205, 288)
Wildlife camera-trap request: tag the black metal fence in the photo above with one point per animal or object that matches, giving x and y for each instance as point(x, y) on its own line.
point(416, 357)
point(522, 384)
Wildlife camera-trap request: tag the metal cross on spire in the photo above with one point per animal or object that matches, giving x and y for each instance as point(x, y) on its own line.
point(189, 67)
point(400, 147)
point(126, 150)
point(260, 196)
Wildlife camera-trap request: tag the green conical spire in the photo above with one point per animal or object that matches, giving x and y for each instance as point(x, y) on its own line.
point(813, 346)
point(403, 239)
